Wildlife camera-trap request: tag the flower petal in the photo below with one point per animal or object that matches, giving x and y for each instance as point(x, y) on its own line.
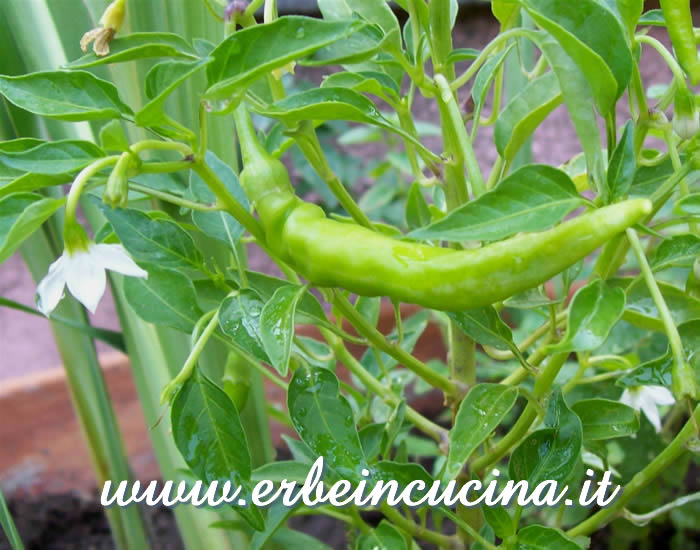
point(660, 395)
point(115, 258)
point(630, 397)
point(49, 291)
point(652, 413)
point(85, 278)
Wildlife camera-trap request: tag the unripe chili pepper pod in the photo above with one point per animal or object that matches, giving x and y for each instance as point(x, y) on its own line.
point(236, 380)
point(334, 254)
point(679, 21)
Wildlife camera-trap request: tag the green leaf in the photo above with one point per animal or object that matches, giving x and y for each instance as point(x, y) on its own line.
point(249, 54)
point(138, 45)
point(690, 204)
point(55, 157)
point(640, 309)
point(358, 47)
point(8, 525)
point(371, 440)
point(550, 453)
point(463, 54)
point(530, 299)
point(678, 251)
point(480, 412)
point(218, 225)
point(32, 182)
point(623, 164)
point(648, 178)
point(20, 215)
point(162, 80)
point(371, 82)
point(485, 326)
point(210, 437)
point(277, 325)
point(113, 137)
point(295, 540)
point(324, 420)
point(506, 11)
point(484, 78)
point(155, 240)
point(71, 96)
point(605, 419)
point(525, 112)
point(500, 521)
point(369, 308)
point(330, 104)
point(277, 515)
point(413, 327)
point(539, 537)
point(578, 97)
point(377, 12)
point(594, 311)
point(594, 38)
point(417, 210)
point(532, 198)
point(384, 537)
point(239, 318)
point(628, 12)
point(277, 472)
point(167, 297)
point(654, 18)
point(656, 372)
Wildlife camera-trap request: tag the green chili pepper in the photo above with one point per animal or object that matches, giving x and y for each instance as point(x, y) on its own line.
point(333, 254)
point(680, 28)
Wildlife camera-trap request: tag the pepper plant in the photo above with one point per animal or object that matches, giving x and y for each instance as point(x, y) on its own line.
point(567, 296)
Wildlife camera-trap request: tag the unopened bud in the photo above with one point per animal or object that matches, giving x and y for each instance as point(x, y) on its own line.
point(116, 192)
point(686, 116)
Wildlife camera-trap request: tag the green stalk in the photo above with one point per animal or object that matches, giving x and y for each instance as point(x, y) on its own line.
point(8, 525)
point(90, 399)
point(641, 479)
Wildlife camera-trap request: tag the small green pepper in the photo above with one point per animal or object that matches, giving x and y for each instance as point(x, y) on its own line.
point(679, 21)
point(333, 254)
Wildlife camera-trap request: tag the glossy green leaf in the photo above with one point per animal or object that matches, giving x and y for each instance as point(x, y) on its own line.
point(648, 178)
point(330, 104)
point(678, 251)
point(656, 372)
point(113, 137)
point(71, 96)
point(383, 537)
point(167, 297)
point(371, 82)
point(241, 58)
point(605, 419)
point(276, 516)
point(138, 45)
point(640, 309)
point(296, 540)
point(579, 100)
point(277, 325)
point(594, 311)
point(463, 54)
point(653, 18)
point(208, 433)
point(324, 420)
point(359, 46)
point(525, 112)
point(550, 453)
point(277, 472)
point(371, 440)
point(369, 307)
point(239, 318)
point(485, 326)
point(377, 12)
point(20, 215)
point(539, 537)
point(530, 299)
point(153, 239)
point(533, 198)
point(162, 80)
point(480, 412)
point(55, 157)
point(623, 164)
point(500, 521)
point(417, 209)
point(32, 182)
point(594, 38)
point(690, 204)
point(506, 11)
point(219, 225)
point(484, 78)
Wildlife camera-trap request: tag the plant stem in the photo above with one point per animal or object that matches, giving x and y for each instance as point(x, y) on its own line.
point(8, 525)
point(173, 199)
point(683, 383)
point(416, 530)
point(641, 479)
point(378, 340)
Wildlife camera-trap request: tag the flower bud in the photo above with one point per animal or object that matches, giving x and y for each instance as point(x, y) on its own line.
point(116, 192)
point(686, 116)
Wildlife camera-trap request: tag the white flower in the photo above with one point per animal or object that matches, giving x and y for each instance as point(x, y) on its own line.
point(647, 399)
point(83, 271)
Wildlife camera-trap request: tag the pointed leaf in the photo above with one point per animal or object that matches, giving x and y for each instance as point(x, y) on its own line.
point(324, 420)
point(678, 251)
point(525, 112)
point(605, 419)
point(623, 164)
point(533, 198)
point(690, 204)
point(239, 318)
point(539, 537)
point(55, 157)
point(277, 325)
point(417, 210)
point(485, 326)
point(484, 78)
point(656, 372)
point(72, 96)
point(480, 412)
point(384, 537)
point(138, 45)
point(594, 311)
point(20, 215)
